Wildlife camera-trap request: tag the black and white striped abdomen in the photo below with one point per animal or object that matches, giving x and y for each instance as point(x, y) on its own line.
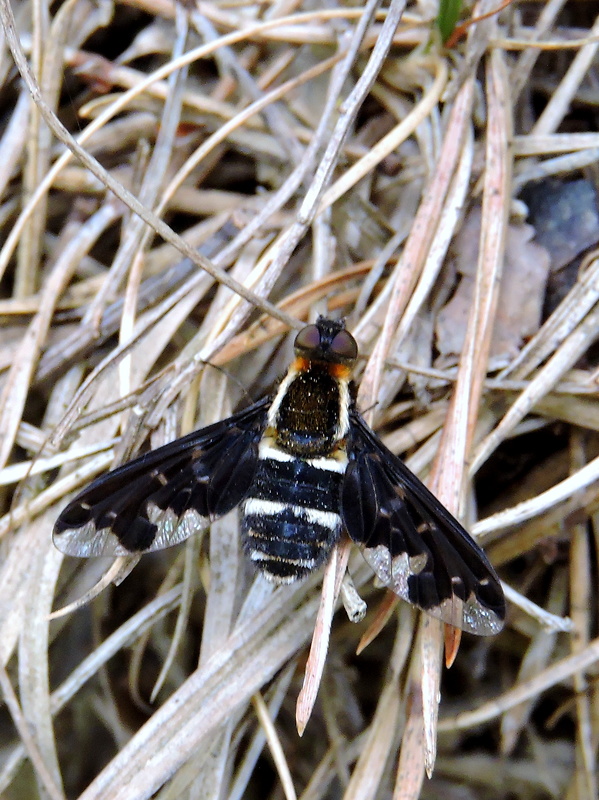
point(290, 517)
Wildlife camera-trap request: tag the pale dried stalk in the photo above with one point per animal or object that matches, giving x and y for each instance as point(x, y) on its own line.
point(559, 104)
point(118, 106)
point(581, 598)
point(331, 586)
point(348, 112)
point(15, 390)
point(315, 31)
point(579, 302)
point(556, 673)
point(244, 772)
point(116, 573)
point(401, 284)
point(550, 622)
point(563, 359)
point(458, 431)
point(42, 771)
point(386, 727)
point(546, 144)
point(536, 656)
point(391, 141)
point(135, 627)
point(562, 491)
point(521, 70)
point(275, 746)
point(25, 469)
point(117, 188)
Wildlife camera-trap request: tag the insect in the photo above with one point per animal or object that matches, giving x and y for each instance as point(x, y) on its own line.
point(304, 467)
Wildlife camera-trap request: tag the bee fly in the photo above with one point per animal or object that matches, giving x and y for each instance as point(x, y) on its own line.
point(303, 466)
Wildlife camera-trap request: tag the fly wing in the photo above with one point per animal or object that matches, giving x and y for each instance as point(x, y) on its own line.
point(413, 544)
point(166, 495)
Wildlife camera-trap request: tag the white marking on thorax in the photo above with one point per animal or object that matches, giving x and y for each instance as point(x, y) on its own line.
point(273, 411)
point(268, 450)
point(344, 403)
point(336, 462)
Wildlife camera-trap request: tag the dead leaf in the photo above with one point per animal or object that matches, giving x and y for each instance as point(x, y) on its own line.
point(520, 299)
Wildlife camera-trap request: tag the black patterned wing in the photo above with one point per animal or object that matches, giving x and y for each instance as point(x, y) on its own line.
point(413, 544)
point(166, 495)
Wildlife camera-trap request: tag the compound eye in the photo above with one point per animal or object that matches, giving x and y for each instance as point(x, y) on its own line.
point(308, 338)
point(345, 346)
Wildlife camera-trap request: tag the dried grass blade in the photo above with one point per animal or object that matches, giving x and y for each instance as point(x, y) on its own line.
point(581, 603)
point(129, 632)
point(383, 614)
point(580, 301)
point(405, 275)
point(431, 641)
point(381, 738)
point(538, 653)
point(387, 726)
point(16, 388)
point(192, 549)
point(34, 642)
point(459, 429)
point(559, 493)
point(274, 743)
point(411, 766)
point(42, 771)
point(550, 622)
point(557, 673)
point(245, 769)
point(117, 572)
point(319, 647)
point(27, 469)
point(202, 704)
point(561, 99)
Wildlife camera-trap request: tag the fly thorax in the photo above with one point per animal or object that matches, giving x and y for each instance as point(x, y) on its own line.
point(308, 415)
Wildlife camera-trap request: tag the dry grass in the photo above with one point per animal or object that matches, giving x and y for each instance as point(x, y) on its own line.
point(300, 160)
